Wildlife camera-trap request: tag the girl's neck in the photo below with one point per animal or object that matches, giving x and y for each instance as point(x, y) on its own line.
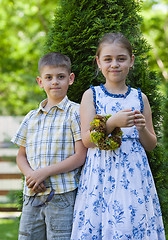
point(116, 88)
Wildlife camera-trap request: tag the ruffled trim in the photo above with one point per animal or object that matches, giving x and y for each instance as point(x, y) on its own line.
point(115, 95)
point(140, 99)
point(94, 97)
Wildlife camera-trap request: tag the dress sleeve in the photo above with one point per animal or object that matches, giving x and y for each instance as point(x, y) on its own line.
point(75, 123)
point(140, 99)
point(94, 98)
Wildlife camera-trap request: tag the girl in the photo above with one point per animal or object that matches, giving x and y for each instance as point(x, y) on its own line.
point(117, 198)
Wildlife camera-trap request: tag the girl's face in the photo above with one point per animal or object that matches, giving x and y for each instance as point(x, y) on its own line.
point(114, 61)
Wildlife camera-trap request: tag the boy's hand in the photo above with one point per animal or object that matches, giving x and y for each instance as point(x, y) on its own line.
point(35, 180)
point(139, 121)
point(40, 188)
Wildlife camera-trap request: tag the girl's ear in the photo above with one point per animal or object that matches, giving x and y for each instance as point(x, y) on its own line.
point(132, 61)
point(71, 78)
point(40, 83)
point(98, 63)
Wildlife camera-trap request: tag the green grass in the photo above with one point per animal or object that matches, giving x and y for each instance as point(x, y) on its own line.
point(9, 229)
point(8, 204)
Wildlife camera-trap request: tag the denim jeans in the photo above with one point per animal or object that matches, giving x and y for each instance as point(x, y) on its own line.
point(51, 221)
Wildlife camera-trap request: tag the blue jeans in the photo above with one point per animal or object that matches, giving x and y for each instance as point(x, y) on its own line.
point(51, 221)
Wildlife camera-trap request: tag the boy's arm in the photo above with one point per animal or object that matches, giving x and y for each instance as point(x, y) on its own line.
point(22, 162)
point(25, 168)
point(67, 165)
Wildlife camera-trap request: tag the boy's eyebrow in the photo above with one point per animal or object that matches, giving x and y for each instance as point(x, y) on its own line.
point(46, 74)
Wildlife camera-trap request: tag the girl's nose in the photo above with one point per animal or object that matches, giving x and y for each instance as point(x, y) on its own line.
point(114, 63)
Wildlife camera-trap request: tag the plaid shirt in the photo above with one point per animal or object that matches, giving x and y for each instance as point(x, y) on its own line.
point(49, 138)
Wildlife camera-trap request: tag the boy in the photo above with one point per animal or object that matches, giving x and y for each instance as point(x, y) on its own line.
point(50, 154)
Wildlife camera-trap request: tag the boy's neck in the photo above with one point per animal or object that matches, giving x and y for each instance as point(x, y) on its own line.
point(51, 103)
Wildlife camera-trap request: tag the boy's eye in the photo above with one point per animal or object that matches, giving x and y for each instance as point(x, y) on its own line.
point(48, 77)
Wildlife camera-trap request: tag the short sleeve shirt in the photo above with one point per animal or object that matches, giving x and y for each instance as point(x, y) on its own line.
point(49, 138)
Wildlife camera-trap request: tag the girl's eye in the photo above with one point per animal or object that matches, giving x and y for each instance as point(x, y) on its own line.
point(121, 59)
point(107, 59)
point(61, 77)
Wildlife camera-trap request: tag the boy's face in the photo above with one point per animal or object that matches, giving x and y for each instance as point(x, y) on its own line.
point(55, 81)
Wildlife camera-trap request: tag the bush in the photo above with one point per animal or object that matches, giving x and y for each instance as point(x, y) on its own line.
point(76, 28)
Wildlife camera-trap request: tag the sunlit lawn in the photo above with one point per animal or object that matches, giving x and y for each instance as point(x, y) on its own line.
point(9, 229)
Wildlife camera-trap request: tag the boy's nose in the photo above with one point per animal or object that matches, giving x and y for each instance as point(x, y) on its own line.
point(55, 80)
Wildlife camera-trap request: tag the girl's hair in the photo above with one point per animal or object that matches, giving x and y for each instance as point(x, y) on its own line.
point(55, 59)
point(114, 37)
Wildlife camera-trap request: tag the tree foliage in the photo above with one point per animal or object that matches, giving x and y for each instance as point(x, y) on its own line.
point(155, 29)
point(23, 26)
point(76, 28)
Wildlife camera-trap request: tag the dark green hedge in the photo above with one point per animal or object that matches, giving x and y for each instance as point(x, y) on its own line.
point(75, 31)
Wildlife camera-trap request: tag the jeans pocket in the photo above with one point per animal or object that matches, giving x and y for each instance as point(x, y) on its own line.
point(26, 200)
point(61, 201)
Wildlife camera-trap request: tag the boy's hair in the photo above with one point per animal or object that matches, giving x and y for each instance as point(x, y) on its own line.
point(55, 59)
point(114, 37)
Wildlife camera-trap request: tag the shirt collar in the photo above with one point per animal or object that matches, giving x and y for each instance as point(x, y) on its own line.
point(63, 105)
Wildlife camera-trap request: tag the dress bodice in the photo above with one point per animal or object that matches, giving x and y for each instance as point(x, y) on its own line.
point(108, 103)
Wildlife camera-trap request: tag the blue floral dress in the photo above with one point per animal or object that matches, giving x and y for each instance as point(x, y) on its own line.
point(116, 197)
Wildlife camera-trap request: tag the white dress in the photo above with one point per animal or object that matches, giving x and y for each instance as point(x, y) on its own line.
point(116, 197)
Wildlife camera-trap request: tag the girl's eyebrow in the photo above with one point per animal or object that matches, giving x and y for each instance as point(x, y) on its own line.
point(120, 55)
point(107, 55)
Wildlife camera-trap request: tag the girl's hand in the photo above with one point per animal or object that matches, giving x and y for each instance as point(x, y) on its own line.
point(124, 118)
point(139, 121)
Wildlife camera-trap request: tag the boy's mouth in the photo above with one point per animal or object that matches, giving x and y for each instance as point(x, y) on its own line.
point(55, 88)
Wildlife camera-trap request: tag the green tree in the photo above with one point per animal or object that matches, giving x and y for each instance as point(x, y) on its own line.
point(155, 29)
point(165, 121)
point(76, 28)
point(165, 140)
point(23, 26)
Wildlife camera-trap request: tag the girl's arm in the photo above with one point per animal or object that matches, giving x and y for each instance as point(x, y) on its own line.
point(144, 124)
point(74, 161)
point(87, 113)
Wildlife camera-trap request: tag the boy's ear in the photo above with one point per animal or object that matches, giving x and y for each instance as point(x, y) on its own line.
point(39, 80)
point(71, 78)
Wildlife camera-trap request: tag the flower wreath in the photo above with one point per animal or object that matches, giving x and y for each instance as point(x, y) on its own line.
point(99, 136)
